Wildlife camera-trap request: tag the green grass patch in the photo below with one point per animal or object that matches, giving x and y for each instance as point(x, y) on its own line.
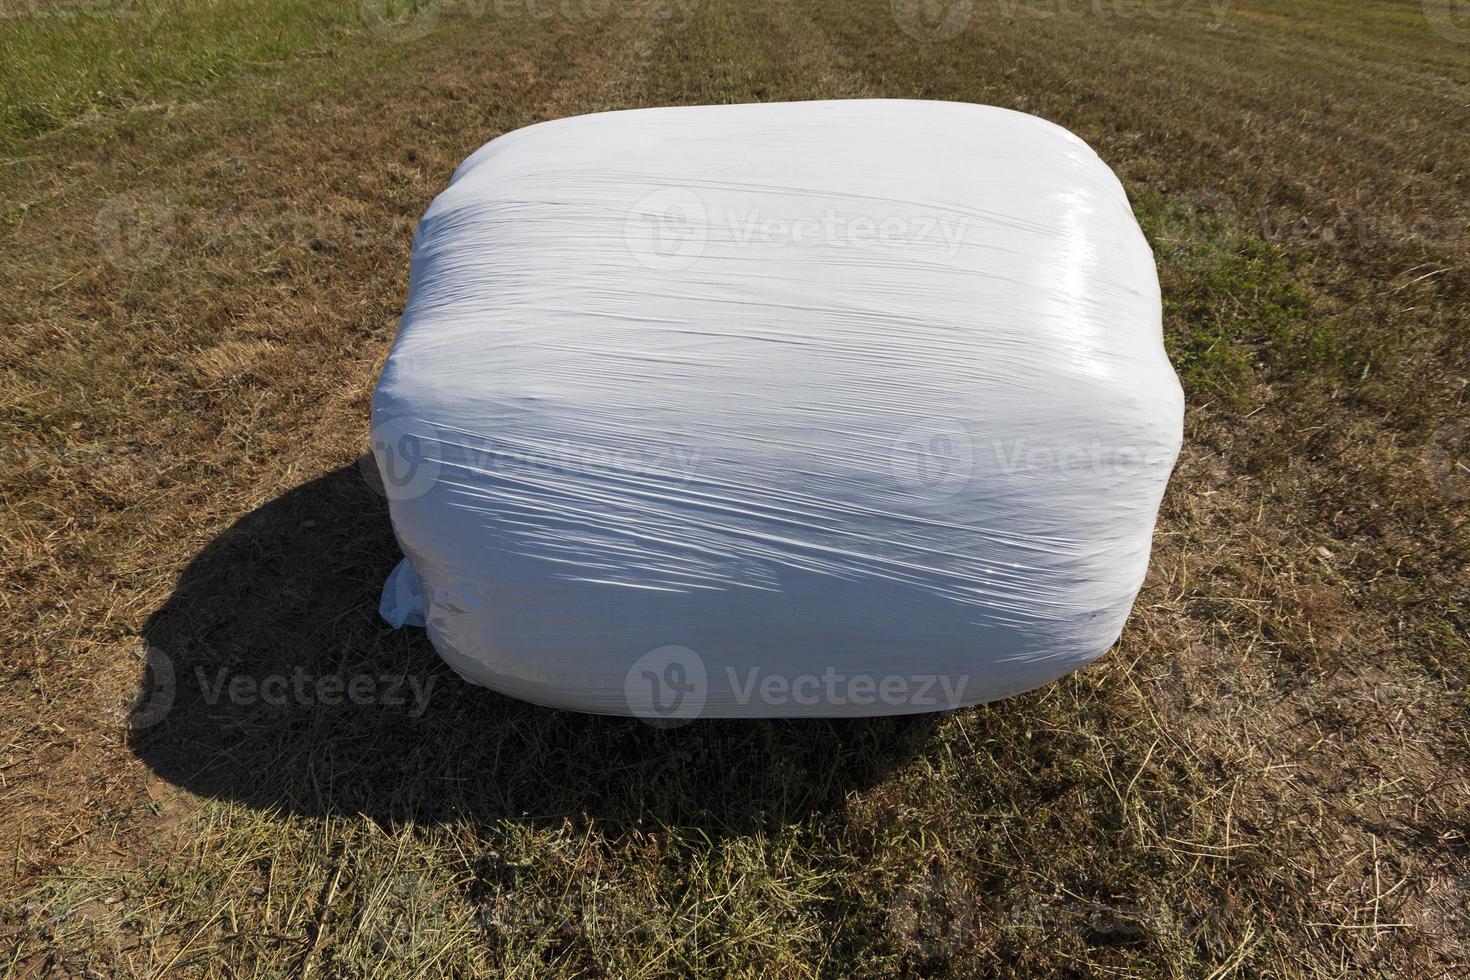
point(66, 59)
point(1231, 304)
point(715, 54)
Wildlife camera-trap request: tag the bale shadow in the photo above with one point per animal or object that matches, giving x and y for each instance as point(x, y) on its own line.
point(272, 682)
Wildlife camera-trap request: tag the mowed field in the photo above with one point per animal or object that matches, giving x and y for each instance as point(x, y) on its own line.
point(206, 215)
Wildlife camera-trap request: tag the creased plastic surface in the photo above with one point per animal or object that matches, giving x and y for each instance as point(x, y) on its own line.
point(762, 408)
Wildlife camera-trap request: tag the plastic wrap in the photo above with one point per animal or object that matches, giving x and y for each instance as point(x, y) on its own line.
point(822, 409)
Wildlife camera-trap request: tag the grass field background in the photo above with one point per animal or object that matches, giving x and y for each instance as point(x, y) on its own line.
point(206, 213)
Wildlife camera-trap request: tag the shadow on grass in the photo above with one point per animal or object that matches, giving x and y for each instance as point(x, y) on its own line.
point(242, 701)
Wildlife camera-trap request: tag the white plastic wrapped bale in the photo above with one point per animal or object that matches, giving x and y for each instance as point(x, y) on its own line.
point(805, 409)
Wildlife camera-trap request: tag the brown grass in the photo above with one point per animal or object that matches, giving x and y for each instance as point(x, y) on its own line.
point(1268, 776)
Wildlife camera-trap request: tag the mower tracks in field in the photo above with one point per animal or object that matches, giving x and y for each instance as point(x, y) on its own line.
point(219, 293)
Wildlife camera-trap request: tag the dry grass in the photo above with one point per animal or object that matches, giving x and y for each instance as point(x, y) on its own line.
point(1267, 777)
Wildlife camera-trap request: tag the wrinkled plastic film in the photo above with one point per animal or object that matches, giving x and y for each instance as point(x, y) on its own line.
point(720, 400)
